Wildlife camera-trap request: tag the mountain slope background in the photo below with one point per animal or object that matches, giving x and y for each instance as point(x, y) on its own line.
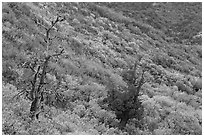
point(92, 47)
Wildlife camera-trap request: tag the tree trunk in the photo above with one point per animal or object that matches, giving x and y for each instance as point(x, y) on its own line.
point(123, 122)
point(32, 92)
point(35, 108)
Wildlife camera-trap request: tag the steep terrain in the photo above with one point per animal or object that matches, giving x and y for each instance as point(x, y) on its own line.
point(103, 68)
point(180, 21)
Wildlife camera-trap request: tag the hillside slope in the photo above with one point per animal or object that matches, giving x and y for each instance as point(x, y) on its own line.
point(180, 21)
point(79, 55)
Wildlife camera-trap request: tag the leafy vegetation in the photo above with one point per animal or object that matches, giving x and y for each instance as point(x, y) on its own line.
point(101, 68)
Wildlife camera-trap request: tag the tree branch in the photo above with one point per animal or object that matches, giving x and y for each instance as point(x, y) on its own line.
point(61, 52)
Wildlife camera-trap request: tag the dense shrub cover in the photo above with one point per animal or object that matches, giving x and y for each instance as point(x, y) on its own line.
point(101, 68)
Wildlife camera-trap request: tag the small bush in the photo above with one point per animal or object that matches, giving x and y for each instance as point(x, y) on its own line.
point(181, 86)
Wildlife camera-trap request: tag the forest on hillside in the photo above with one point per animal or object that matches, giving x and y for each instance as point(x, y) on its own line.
point(101, 68)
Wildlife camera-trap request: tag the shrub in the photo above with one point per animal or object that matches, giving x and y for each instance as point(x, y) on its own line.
point(182, 121)
point(197, 83)
point(181, 86)
point(112, 15)
point(124, 100)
